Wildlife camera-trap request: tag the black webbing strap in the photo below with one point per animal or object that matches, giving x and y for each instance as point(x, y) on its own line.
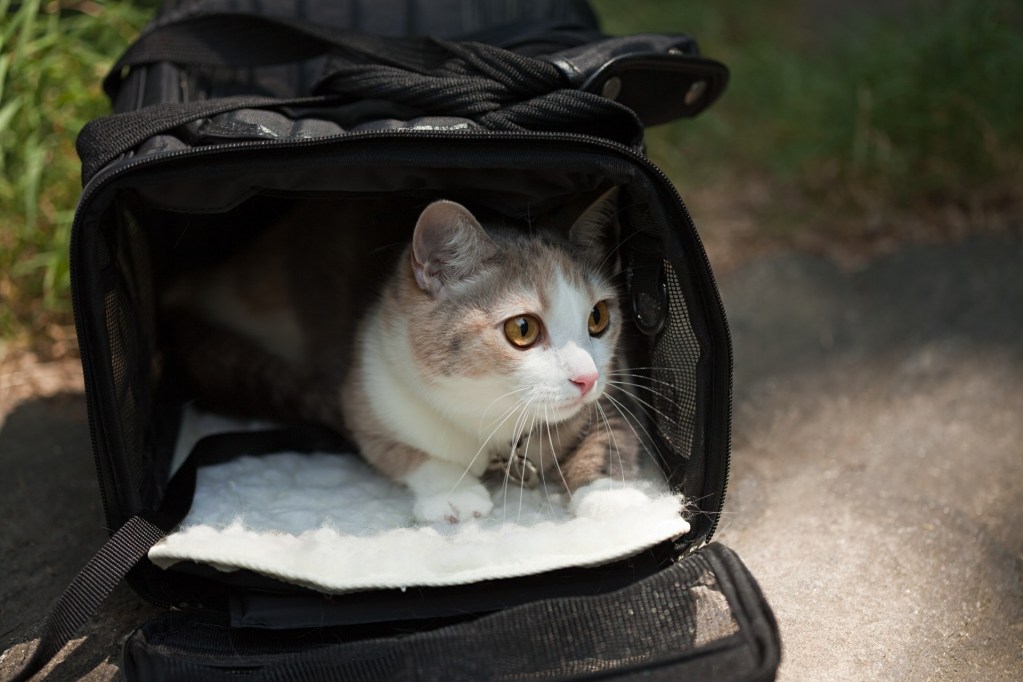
point(104, 139)
point(133, 540)
point(497, 88)
point(91, 587)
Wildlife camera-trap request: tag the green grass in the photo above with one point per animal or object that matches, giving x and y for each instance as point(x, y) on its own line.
point(52, 58)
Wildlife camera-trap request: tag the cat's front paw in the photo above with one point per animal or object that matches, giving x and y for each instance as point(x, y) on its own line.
point(605, 498)
point(461, 504)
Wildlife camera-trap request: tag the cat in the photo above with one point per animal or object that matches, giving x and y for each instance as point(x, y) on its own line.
point(484, 348)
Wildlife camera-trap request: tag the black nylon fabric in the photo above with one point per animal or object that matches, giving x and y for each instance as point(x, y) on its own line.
point(242, 39)
point(652, 629)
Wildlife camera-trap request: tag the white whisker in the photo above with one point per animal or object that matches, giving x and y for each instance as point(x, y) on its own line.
point(636, 375)
point(520, 424)
point(647, 404)
point(557, 465)
point(652, 391)
point(611, 441)
point(622, 409)
point(484, 445)
point(500, 397)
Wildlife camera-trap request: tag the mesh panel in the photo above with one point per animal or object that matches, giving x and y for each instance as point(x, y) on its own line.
point(131, 343)
point(119, 335)
point(674, 359)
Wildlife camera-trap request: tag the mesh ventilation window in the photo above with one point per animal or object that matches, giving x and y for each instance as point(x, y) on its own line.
point(131, 335)
point(674, 358)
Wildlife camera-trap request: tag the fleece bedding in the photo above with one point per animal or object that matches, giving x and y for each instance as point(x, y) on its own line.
point(331, 523)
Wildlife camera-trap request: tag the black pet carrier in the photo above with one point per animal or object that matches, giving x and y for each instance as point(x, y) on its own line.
point(227, 112)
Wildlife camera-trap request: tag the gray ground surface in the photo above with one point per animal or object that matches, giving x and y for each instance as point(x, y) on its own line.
point(877, 479)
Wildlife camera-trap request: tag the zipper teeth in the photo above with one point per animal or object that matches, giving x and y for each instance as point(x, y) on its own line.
point(104, 176)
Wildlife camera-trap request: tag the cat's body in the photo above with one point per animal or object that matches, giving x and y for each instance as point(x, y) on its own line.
point(469, 349)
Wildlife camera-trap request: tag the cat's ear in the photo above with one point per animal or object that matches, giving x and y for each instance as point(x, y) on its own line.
point(595, 231)
point(449, 245)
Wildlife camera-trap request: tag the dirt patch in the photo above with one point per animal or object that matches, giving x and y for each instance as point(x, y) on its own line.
point(24, 375)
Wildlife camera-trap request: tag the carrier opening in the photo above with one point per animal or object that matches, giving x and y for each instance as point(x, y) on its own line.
point(162, 232)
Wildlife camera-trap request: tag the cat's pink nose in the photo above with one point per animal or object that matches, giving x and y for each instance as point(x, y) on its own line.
point(585, 382)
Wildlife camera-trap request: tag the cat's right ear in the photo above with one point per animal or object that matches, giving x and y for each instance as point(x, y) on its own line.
point(449, 245)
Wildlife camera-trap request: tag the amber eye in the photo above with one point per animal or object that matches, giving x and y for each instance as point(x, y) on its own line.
point(522, 331)
point(599, 318)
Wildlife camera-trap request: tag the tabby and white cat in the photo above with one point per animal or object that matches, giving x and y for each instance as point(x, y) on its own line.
point(483, 348)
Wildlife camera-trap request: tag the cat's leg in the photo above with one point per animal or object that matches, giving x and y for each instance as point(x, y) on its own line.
point(608, 449)
point(442, 491)
point(598, 471)
point(446, 492)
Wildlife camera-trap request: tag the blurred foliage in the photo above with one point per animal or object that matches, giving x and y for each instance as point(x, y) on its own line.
point(877, 106)
point(53, 56)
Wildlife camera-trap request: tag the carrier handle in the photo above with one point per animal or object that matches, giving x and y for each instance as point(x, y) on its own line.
point(133, 540)
point(659, 76)
point(496, 88)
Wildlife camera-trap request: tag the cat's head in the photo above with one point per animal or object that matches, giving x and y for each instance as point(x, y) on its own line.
point(523, 317)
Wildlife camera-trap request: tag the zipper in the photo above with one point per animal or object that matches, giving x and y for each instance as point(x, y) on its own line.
point(117, 169)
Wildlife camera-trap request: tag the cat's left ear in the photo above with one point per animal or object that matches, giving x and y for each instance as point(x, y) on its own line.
point(448, 246)
point(595, 231)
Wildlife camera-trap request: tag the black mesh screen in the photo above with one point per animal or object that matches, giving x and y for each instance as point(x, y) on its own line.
point(123, 355)
point(131, 337)
point(674, 357)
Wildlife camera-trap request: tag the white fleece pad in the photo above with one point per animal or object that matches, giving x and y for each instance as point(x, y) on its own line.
point(330, 522)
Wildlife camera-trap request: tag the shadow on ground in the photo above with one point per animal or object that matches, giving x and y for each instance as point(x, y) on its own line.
point(877, 486)
point(877, 480)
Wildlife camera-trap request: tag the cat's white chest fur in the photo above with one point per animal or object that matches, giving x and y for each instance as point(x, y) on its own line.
point(438, 421)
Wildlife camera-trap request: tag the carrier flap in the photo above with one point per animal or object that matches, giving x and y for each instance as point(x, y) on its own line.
point(702, 618)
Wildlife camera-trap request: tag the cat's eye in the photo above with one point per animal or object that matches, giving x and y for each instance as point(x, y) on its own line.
point(600, 316)
point(522, 331)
